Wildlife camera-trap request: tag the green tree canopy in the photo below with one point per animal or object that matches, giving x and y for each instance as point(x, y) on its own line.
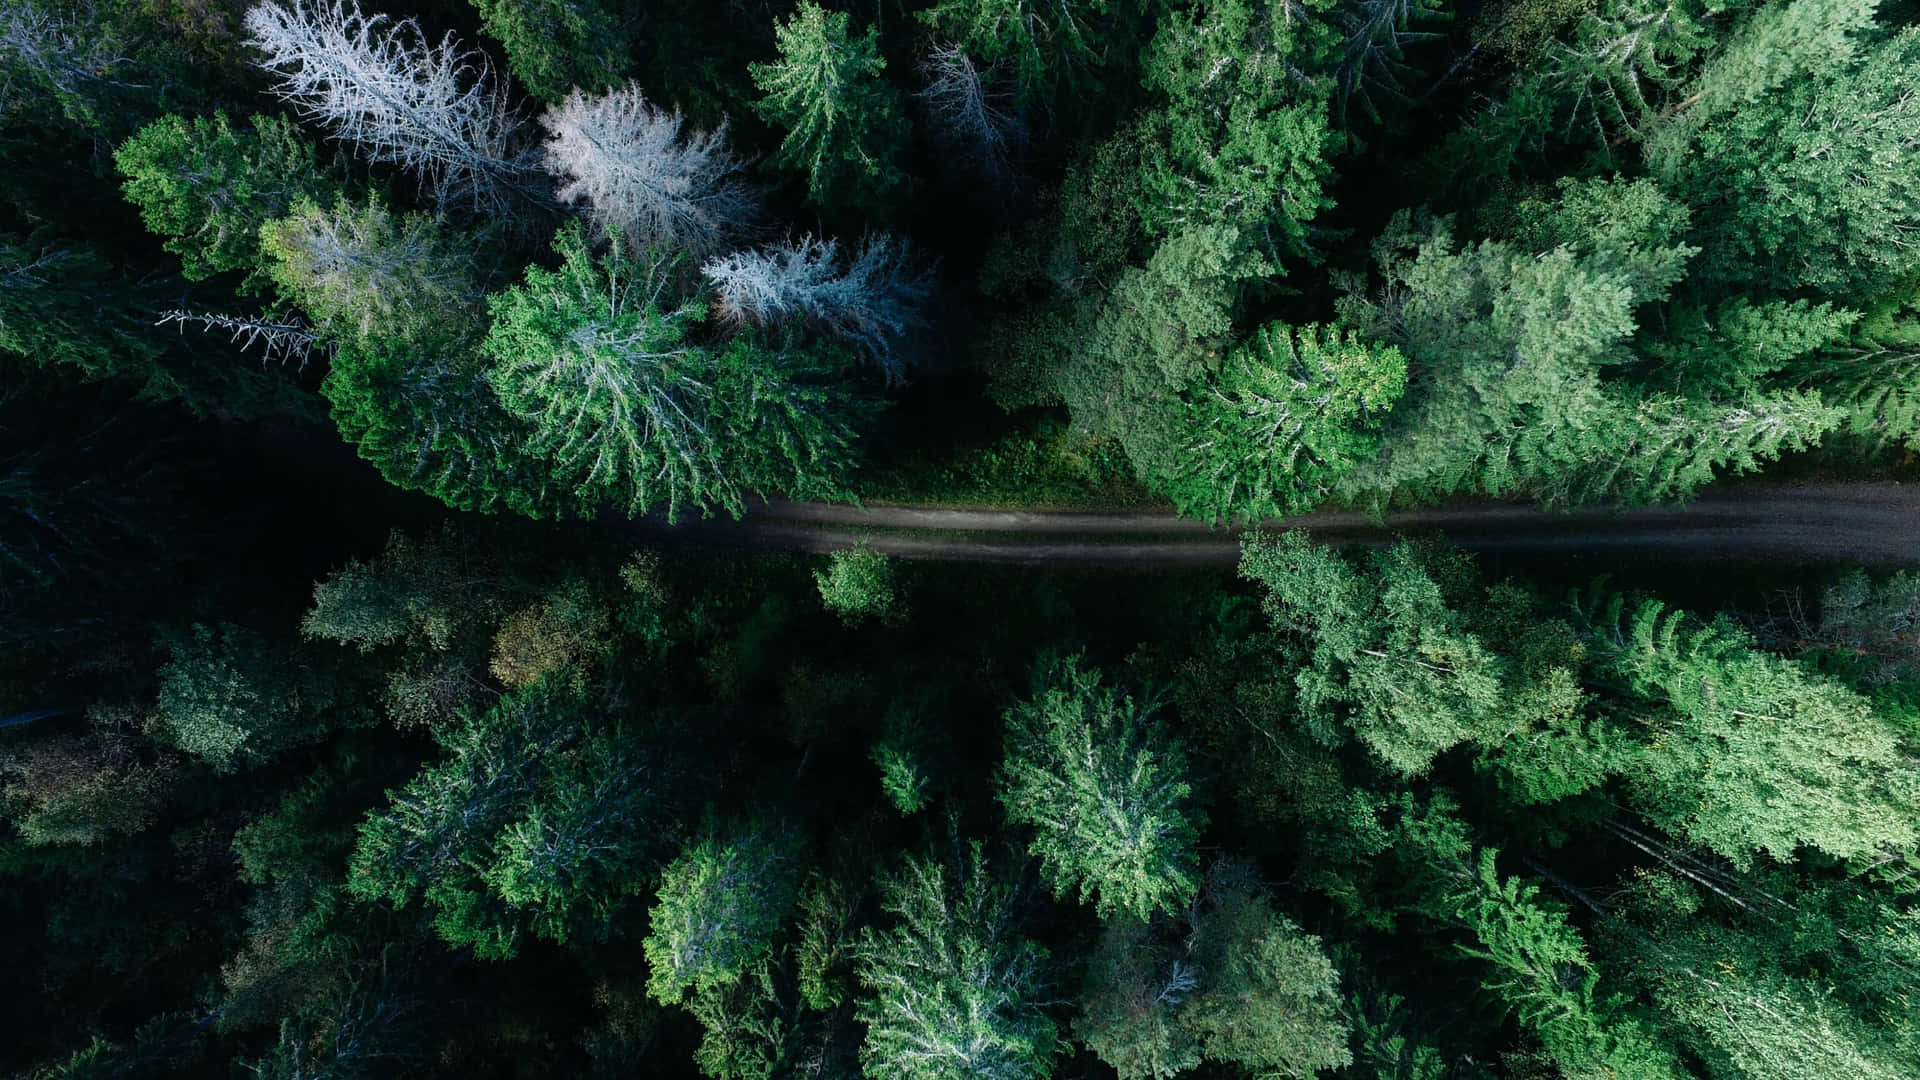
point(843, 122)
point(953, 991)
point(1105, 790)
point(721, 903)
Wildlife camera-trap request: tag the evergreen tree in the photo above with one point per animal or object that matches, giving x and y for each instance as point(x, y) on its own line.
point(623, 406)
point(230, 699)
point(554, 47)
point(843, 122)
point(721, 903)
point(1105, 791)
point(1754, 755)
point(210, 188)
point(1231, 981)
point(953, 989)
point(371, 278)
point(541, 818)
point(1241, 138)
point(1389, 658)
point(1289, 414)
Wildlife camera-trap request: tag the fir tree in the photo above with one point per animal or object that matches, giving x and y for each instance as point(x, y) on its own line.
point(1105, 791)
point(843, 122)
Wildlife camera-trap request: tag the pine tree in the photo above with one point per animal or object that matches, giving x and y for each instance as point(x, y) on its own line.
point(1289, 413)
point(595, 358)
point(637, 170)
point(843, 122)
point(373, 278)
point(553, 46)
point(1229, 980)
point(539, 819)
point(623, 406)
point(232, 700)
point(1240, 137)
point(1390, 659)
point(1754, 755)
point(1105, 791)
point(1797, 186)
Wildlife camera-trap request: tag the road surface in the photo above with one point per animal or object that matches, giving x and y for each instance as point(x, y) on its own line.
point(1871, 523)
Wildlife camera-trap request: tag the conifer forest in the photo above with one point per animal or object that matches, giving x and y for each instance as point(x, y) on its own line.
point(433, 642)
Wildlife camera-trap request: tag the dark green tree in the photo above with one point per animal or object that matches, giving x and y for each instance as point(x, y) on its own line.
point(543, 817)
point(553, 46)
point(843, 122)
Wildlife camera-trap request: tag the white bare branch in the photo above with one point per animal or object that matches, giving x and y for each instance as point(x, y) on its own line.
point(874, 304)
point(971, 121)
point(434, 108)
point(280, 340)
point(636, 169)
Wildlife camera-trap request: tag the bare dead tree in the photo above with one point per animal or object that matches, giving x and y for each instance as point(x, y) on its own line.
point(971, 120)
point(873, 304)
point(433, 108)
point(638, 169)
point(279, 339)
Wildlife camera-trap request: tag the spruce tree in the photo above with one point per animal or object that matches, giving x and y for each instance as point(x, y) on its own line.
point(843, 122)
point(1105, 790)
point(953, 989)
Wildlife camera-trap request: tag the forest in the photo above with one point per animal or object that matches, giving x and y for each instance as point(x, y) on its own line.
point(360, 716)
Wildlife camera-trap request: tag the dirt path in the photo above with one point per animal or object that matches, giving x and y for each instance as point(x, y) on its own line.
point(1873, 523)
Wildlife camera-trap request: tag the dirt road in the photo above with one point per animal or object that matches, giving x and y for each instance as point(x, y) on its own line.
point(1871, 523)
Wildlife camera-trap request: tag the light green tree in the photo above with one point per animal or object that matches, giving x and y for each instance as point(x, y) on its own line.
point(859, 583)
point(209, 188)
point(230, 698)
point(624, 405)
point(1288, 414)
point(1104, 788)
point(1751, 755)
point(1241, 135)
point(1390, 660)
point(721, 903)
point(953, 991)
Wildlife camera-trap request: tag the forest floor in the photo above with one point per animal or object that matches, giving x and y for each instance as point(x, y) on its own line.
point(1875, 523)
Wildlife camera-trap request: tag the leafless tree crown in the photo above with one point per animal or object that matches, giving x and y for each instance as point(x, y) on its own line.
point(965, 114)
point(637, 169)
point(434, 108)
point(874, 304)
